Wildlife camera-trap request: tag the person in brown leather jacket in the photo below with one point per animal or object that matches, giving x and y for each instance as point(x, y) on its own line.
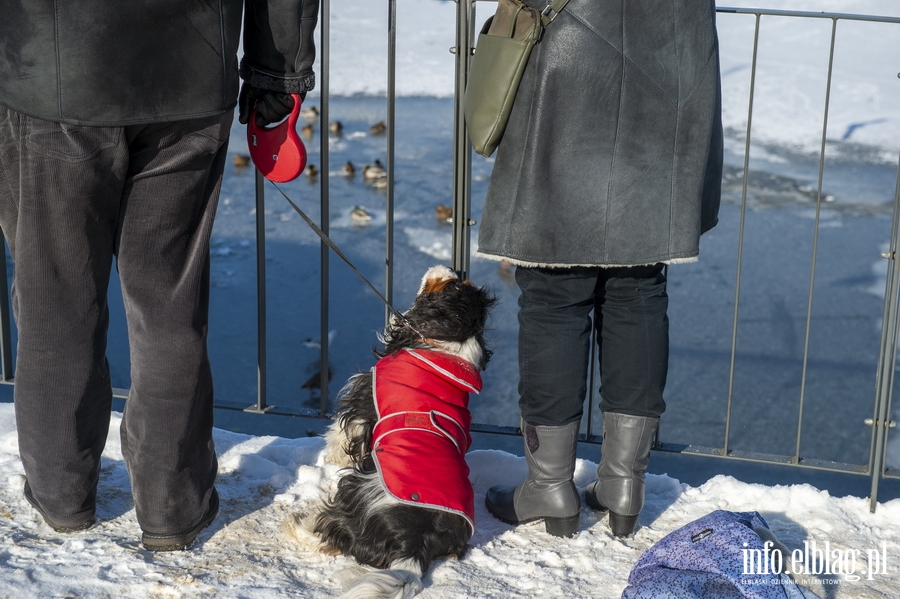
point(114, 123)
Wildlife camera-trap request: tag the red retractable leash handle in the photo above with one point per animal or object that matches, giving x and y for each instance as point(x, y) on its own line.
point(277, 151)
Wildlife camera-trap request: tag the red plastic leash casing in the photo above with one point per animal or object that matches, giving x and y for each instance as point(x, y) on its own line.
point(277, 151)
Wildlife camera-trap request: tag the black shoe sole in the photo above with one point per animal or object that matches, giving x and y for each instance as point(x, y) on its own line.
point(180, 541)
point(566, 526)
point(64, 528)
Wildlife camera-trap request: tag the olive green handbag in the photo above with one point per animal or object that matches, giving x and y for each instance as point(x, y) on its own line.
point(502, 51)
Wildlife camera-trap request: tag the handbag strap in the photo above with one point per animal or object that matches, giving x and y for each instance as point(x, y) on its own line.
point(515, 18)
point(552, 10)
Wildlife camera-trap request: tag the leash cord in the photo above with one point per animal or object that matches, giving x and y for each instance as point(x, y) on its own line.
point(341, 255)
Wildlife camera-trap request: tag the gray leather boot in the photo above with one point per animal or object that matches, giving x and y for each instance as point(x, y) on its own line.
point(625, 455)
point(548, 491)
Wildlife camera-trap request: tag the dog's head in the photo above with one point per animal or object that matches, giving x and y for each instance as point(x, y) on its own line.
point(448, 314)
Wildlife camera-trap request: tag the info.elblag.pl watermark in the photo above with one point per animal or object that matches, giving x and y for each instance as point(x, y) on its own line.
point(813, 561)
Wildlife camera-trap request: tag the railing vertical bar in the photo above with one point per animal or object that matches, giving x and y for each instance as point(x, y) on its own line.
point(592, 360)
point(324, 208)
point(815, 245)
point(887, 357)
point(462, 154)
point(891, 368)
point(260, 294)
point(740, 254)
point(5, 324)
point(391, 130)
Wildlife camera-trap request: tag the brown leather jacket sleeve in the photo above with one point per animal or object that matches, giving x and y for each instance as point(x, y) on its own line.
point(279, 48)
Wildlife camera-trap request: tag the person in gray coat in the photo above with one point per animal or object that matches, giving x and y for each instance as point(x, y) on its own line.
point(610, 169)
point(114, 126)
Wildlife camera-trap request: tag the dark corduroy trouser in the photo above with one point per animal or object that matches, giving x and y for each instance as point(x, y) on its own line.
point(630, 314)
point(71, 199)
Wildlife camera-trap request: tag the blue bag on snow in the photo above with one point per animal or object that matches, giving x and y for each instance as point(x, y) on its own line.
point(706, 559)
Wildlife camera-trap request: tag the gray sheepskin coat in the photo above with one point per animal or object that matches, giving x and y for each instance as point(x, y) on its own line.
point(613, 152)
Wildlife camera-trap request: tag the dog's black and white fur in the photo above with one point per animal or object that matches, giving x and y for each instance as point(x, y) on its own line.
point(361, 519)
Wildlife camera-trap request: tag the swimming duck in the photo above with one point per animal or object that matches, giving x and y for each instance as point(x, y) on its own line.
point(443, 212)
point(378, 128)
point(307, 131)
point(316, 344)
point(336, 128)
point(360, 215)
point(311, 171)
point(310, 113)
point(374, 171)
point(348, 170)
point(241, 160)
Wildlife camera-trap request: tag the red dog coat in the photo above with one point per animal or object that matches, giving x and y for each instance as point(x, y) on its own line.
point(422, 434)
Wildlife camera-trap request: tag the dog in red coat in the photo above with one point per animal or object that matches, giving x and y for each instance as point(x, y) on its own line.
point(402, 431)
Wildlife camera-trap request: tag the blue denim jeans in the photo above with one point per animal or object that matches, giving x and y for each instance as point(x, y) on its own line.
point(629, 307)
point(71, 199)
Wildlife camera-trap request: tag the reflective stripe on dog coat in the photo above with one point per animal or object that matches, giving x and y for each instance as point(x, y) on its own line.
point(422, 434)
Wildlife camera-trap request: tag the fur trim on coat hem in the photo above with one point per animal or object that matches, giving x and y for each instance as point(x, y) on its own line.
point(542, 265)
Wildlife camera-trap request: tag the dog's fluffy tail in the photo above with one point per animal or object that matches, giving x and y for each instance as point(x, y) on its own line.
point(402, 581)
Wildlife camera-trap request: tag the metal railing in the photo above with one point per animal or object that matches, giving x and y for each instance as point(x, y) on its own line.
point(462, 223)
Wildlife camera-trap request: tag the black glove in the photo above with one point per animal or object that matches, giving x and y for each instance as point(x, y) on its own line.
point(271, 107)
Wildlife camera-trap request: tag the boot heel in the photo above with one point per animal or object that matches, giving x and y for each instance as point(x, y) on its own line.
point(562, 527)
point(622, 526)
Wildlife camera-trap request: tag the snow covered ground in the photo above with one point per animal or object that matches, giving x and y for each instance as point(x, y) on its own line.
point(247, 554)
point(263, 478)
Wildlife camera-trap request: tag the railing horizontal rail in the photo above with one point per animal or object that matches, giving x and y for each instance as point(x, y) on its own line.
point(808, 14)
